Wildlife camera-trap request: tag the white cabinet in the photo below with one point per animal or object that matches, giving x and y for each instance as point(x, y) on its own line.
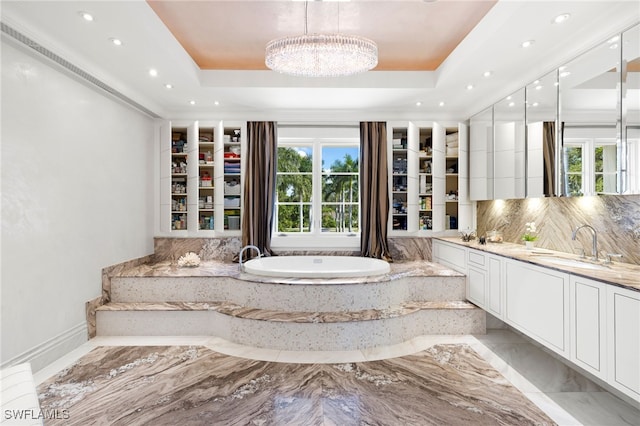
point(587, 321)
point(485, 281)
point(451, 255)
point(537, 303)
point(623, 340)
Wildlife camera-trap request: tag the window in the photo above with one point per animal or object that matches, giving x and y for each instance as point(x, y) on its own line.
point(591, 166)
point(317, 187)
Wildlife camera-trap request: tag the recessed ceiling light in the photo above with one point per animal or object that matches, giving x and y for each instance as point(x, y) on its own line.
point(565, 74)
point(613, 39)
point(487, 73)
point(535, 104)
point(527, 43)
point(418, 103)
point(508, 98)
point(168, 86)
point(469, 86)
point(192, 102)
point(116, 41)
point(441, 104)
point(538, 87)
point(86, 16)
point(536, 82)
point(561, 18)
point(153, 72)
point(511, 104)
point(216, 103)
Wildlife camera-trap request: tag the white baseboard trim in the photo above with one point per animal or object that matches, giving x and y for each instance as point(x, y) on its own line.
point(47, 352)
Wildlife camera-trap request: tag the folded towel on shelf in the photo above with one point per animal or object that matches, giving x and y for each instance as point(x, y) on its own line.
point(452, 137)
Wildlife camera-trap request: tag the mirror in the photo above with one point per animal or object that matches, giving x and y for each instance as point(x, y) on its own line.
point(481, 156)
point(509, 146)
point(630, 80)
point(591, 121)
point(542, 140)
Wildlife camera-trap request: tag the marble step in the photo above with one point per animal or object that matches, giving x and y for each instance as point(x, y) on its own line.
point(288, 296)
point(304, 331)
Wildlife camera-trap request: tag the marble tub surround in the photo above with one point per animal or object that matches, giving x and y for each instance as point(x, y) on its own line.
point(105, 297)
point(615, 217)
point(443, 384)
point(215, 299)
point(621, 274)
point(224, 249)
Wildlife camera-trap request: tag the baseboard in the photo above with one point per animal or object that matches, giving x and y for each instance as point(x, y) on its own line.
point(47, 352)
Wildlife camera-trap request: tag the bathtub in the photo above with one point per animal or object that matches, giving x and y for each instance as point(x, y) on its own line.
point(316, 266)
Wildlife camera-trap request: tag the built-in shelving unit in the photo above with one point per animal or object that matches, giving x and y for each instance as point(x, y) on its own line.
point(179, 205)
point(425, 179)
point(400, 179)
point(206, 173)
point(452, 167)
point(428, 193)
point(232, 177)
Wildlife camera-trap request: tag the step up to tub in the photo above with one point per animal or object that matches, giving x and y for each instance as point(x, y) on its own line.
point(215, 299)
point(298, 330)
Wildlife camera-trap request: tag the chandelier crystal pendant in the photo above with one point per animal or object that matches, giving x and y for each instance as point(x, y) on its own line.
point(321, 55)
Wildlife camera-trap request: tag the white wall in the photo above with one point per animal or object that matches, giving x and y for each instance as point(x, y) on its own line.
point(77, 169)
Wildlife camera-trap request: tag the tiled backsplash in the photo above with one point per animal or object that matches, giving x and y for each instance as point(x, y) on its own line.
point(615, 218)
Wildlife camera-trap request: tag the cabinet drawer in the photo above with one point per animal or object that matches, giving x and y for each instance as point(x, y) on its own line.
point(476, 258)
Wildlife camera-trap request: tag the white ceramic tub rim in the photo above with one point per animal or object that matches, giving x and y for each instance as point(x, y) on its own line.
point(316, 266)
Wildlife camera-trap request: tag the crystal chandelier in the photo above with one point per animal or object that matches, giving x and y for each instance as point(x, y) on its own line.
point(321, 55)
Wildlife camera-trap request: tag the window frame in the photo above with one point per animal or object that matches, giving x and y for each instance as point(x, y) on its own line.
point(317, 137)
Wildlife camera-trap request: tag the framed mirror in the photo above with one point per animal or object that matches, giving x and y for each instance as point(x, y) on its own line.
point(629, 150)
point(542, 136)
point(590, 122)
point(509, 168)
point(481, 155)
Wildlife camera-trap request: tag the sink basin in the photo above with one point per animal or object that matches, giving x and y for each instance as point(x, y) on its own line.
point(573, 263)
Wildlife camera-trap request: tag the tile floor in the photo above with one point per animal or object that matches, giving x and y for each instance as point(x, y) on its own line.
point(564, 395)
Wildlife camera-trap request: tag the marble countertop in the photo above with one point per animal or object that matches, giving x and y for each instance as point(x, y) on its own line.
point(620, 274)
point(222, 269)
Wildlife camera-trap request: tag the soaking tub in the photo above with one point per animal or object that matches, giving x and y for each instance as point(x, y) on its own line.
point(316, 266)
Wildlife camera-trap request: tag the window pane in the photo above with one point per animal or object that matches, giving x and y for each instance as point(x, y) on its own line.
point(340, 218)
point(294, 218)
point(295, 159)
point(340, 158)
point(575, 184)
point(574, 158)
point(340, 188)
point(294, 187)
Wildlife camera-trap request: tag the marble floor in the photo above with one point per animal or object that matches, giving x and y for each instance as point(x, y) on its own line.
point(497, 378)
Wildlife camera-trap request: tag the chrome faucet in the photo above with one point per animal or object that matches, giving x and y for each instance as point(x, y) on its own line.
point(250, 246)
point(594, 249)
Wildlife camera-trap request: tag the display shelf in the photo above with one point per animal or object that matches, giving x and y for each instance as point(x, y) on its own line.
point(206, 173)
point(400, 180)
point(425, 179)
point(452, 163)
point(232, 177)
point(179, 205)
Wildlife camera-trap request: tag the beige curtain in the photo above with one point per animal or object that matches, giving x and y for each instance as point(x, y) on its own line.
point(259, 186)
point(549, 156)
point(374, 193)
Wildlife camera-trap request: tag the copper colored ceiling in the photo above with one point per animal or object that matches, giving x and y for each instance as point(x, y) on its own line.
point(232, 35)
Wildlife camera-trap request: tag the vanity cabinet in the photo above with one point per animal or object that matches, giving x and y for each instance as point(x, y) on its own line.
point(587, 321)
point(623, 340)
point(451, 255)
point(594, 325)
point(485, 281)
point(537, 303)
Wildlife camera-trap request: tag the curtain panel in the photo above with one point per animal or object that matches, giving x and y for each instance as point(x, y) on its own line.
point(374, 193)
point(549, 156)
point(259, 186)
